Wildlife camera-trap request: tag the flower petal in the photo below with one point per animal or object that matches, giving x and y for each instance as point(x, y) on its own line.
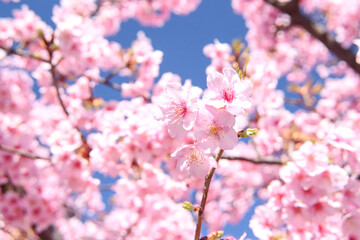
point(228, 140)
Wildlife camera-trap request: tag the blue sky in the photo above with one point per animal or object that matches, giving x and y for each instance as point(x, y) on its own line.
point(181, 40)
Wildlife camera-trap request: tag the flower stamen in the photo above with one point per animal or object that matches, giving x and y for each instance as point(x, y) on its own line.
point(180, 109)
point(214, 130)
point(194, 156)
point(228, 94)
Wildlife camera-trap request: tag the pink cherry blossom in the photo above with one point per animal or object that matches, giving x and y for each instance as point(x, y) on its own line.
point(64, 144)
point(195, 161)
point(351, 224)
point(219, 54)
point(228, 91)
point(26, 24)
point(180, 109)
point(16, 95)
point(214, 128)
point(147, 69)
point(312, 158)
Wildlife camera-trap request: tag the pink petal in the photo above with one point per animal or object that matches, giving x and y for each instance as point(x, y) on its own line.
point(231, 74)
point(215, 81)
point(176, 129)
point(228, 140)
point(209, 143)
point(244, 87)
point(224, 118)
point(200, 170)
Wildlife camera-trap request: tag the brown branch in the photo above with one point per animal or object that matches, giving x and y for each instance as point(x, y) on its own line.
point(85, 146)
point(204, 197)
point(50, 49)
point(55, 79)
point(22, 153)
point(255, 161)
point(317, 31)
point(57, 89)
point(22, 53)
point(113, 73)
point(106, 80)
point(110, 84)
point(52, 68)
point(98, 6)
point(299, 103)
point(50, 233)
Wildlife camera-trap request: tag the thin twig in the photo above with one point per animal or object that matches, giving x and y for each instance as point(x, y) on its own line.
point(55, 79)
point(204, 197)
point(113, 73)
point(98, 6)
point(317, 31)
point(50, 233)
point(56, 85)
point(22, 153)
point(255, 161)
point(110, 84)
point(106, 80)
point(299, 103)
point(57, 88)
point(23, 53)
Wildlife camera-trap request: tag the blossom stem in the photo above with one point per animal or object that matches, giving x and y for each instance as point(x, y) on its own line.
point(255, 161)
point(22, 153)
point(204, 196)
point(23, 53)
point(106, 80)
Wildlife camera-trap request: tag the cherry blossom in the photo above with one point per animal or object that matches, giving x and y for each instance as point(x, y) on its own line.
point(181, 112)
point(228, 91)
point(214, 128)
point(219, 54)
point(194, 160)
point(76, 165)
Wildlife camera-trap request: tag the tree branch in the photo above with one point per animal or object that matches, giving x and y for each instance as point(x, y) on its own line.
point(204, 197)
point(22, 153)
point(98, 6)
point(317, 31)
point(56, 85)
point(50, 233)
point(55, 78)
point(112, 74)
point(110, 84)
point(255, 161)
point(19, 52)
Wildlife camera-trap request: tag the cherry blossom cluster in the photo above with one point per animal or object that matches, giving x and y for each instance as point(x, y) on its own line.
point(211, 121)
point(289, 135)
point(161, 142)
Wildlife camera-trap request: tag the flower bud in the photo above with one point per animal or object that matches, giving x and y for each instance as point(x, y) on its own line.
point(213, 235)
point(248, 132)
point(189, 206)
